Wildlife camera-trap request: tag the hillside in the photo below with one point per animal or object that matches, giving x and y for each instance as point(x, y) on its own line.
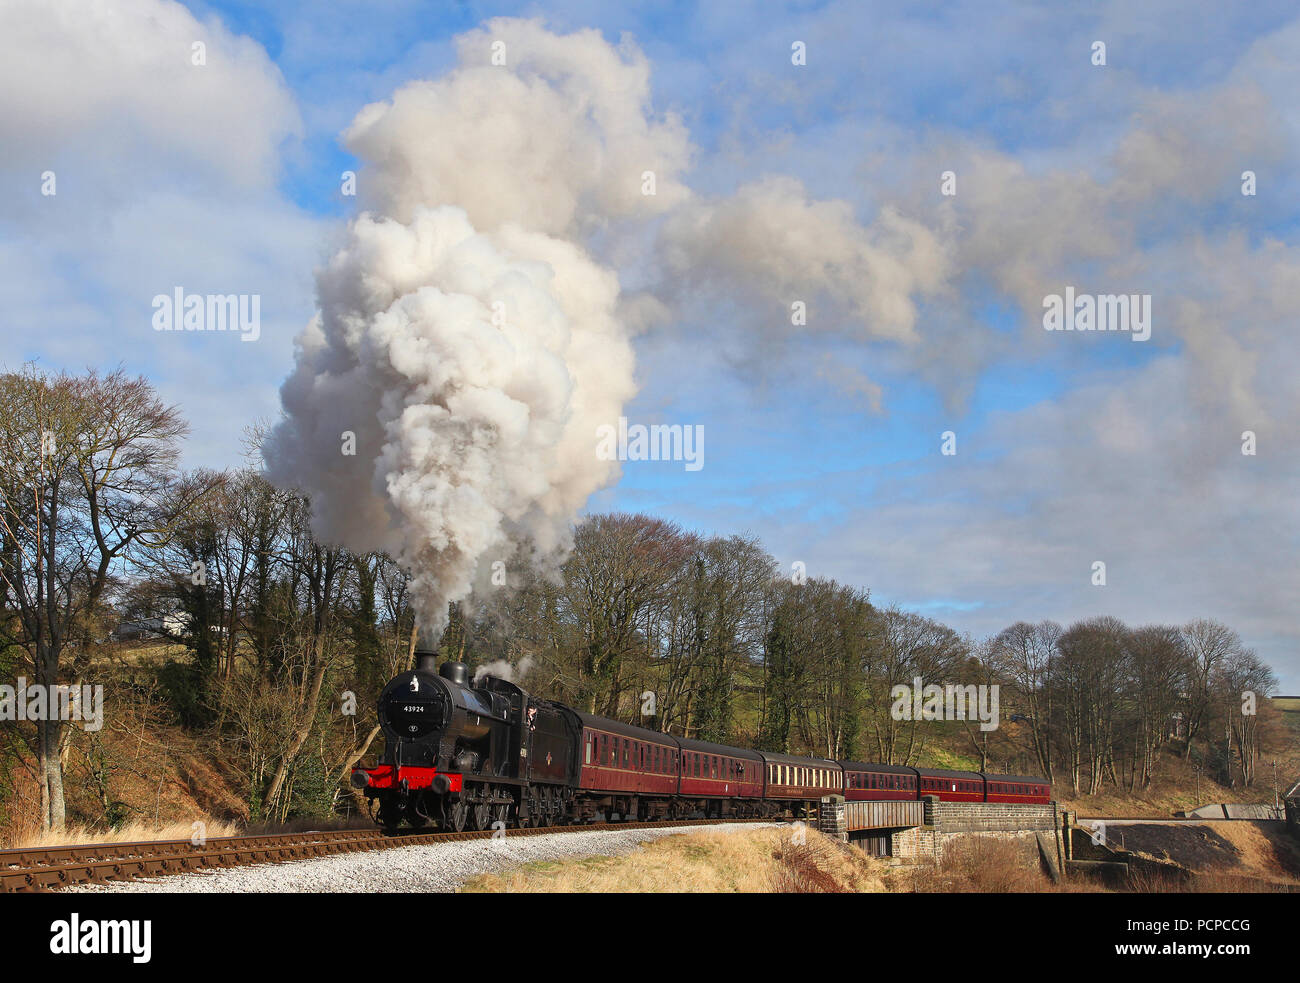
point(142, 772)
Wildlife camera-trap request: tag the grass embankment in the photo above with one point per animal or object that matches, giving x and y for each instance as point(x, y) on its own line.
point(770, 860)
point(1257, 858)
point(741, 861)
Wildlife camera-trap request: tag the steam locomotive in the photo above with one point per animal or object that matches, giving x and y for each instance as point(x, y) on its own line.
point(463, 756)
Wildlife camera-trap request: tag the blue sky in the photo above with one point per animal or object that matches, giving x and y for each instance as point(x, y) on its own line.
point(824, 442)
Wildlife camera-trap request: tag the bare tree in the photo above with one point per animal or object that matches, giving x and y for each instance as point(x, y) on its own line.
point(1209, 644)
point(85, 466)
point(1025, 653)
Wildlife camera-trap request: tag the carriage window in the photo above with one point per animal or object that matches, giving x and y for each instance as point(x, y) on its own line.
point(588, 749)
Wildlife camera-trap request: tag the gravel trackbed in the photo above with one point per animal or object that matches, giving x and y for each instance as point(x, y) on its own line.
point(441, 867)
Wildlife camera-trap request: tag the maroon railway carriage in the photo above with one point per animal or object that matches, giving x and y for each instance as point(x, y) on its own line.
point(863, 781)
point(800, 783)
point(1019, 789)
point(462, 754)
point(721, 780)
point(626, 770)
point(951, 786)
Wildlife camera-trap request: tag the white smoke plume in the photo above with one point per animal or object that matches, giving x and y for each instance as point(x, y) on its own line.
point(465, 336)
point(502, 669)
point(471, 343)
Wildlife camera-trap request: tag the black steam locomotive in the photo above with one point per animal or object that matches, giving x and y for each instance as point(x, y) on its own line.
point(461, 755)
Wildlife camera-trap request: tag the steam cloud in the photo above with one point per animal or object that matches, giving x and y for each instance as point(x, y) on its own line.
point(465, 336)
point(502, 669)
point(470, 340)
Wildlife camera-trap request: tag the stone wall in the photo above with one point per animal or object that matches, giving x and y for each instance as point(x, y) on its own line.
point(948, 822)
point(987, 817)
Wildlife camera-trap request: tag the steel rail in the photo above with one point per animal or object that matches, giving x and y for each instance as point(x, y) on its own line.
point(33, 869)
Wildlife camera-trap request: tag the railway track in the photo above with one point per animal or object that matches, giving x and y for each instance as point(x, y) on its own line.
point(38, 869)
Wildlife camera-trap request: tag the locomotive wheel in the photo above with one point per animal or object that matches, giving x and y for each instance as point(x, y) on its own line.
point(457, 813)
point(482, 816)
point(501, 814)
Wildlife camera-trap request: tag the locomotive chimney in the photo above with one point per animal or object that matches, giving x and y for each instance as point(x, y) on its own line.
point(425, 660)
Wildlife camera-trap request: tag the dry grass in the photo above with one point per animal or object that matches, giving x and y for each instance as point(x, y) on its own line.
point(710, 862)
point(983, 865)
point(134, 832)
point(1266, 847)
point(1212, 882)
